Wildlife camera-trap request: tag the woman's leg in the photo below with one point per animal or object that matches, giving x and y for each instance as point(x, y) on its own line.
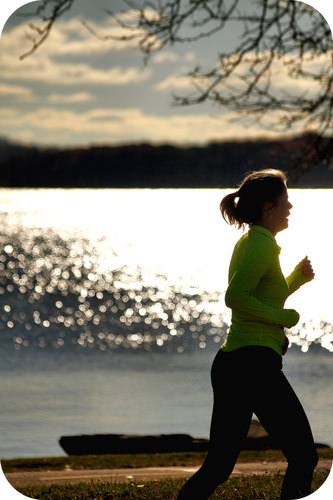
point(246, 380)
point(281, 413)
point(232, 412)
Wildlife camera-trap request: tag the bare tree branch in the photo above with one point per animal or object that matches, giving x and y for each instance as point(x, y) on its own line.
point(48, 17)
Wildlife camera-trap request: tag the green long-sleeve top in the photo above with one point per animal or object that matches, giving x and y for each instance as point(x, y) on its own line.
point(257, 292)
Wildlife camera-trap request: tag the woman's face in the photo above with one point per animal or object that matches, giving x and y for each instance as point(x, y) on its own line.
point(275, 216)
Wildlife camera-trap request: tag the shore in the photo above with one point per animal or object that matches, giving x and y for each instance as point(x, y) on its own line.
point(20, 479)
point(142, 467)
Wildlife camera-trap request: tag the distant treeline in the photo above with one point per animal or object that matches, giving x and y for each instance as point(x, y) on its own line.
point(216, 165)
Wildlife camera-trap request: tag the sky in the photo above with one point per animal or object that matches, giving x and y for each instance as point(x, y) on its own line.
point(76, 90)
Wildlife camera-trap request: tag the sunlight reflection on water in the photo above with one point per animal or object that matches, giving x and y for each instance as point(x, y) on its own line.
point(140, 269)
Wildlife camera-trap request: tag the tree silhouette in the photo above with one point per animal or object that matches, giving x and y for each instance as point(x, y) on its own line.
point(277, 39)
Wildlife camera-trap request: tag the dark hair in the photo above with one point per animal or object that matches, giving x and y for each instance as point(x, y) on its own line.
point(245, 205)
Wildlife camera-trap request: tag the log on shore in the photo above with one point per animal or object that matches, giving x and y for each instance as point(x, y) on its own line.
point(106, 444)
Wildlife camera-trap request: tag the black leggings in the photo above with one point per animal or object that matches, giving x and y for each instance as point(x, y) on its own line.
point(247, 380)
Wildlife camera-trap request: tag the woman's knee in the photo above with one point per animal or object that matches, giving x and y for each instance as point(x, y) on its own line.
point(305, 460)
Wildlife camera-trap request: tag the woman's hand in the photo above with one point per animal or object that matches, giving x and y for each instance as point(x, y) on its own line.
point(306, 268)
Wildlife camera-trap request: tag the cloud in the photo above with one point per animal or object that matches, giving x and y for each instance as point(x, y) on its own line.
point(284, 79)
point(70, 98)
point(6, 113)
point(15, 91)
point(282, 74)
point(189, 57)
point(41, 68)
point(67, 38)
point(162, 57)
point(26, 94)
point(115, 124)
point(174, 82)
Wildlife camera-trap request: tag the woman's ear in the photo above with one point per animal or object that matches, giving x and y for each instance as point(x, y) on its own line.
point(268, 206)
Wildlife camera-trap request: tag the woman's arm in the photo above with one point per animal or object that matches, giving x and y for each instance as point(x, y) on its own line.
point(240, 293)
point(303, 273)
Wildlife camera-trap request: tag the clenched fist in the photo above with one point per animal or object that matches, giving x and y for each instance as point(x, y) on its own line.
point(307, 269)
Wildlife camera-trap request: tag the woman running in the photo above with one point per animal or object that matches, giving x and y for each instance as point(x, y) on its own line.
point(247, 372)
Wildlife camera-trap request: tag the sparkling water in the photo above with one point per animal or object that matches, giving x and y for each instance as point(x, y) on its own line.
point(112, 308)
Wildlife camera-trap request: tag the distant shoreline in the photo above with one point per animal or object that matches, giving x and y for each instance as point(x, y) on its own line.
point(219, 165)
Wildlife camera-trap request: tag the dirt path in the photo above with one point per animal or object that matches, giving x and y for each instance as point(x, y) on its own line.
point(142, 473)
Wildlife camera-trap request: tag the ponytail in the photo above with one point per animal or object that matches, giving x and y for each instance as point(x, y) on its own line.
point(228, 209)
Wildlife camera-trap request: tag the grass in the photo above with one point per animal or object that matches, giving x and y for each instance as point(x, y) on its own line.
point(259, 486)
point(136, 460)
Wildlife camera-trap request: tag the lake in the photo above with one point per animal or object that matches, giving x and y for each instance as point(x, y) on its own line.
point(112, 309)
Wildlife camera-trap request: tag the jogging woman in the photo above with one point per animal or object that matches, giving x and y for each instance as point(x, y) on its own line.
point(247, 372)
